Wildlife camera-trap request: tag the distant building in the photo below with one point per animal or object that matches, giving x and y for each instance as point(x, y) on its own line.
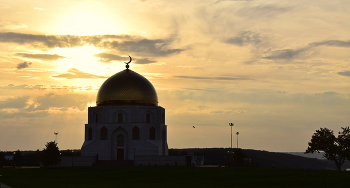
point(8, 155)
point(126, 121)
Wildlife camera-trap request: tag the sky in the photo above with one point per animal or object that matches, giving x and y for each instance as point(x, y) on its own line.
point(279, 70)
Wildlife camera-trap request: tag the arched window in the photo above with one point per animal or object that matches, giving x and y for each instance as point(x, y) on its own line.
point(148, 118)
point(120, 117)
point(135, 133)
point(152, 133)
point(120, 140)
point(103, 133)
point(90, 134)
point(96, 118)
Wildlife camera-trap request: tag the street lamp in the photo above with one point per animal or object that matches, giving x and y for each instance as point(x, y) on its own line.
point(56, 133)
point(231, 125)
point(237, 133)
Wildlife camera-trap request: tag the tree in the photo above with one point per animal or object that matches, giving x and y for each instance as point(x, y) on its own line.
point(2, 159)
point(336, 149)
point(51, 154)
point(17, 158)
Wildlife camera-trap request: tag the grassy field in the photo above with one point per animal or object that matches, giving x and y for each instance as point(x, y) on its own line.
point(171, 177)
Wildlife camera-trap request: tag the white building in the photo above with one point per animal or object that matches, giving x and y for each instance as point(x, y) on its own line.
point(126, 120)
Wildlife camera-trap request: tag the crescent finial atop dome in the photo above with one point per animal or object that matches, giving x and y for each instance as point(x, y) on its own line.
point(127, 63)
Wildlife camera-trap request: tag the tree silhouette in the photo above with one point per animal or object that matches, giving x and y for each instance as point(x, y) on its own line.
point(51, 154)
point(17, 158)
point(336, 149)
point(2, 159)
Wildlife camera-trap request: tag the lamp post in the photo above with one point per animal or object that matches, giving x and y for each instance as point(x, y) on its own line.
point(231, 125)
point(237, 133)
point(56, 133)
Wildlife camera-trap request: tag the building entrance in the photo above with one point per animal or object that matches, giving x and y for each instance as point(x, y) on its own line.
point(119, 145)
point(120, 154)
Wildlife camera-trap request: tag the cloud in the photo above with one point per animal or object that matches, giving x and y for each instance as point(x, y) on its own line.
point(244, 38)
point(6, 114)
point(271, 99)
point(42, 105)
point(211, 78)
point(329, 93)
point(157, 47)
point(263, 11)
point(336, 43)
point(144, 61)
point(63, 102)
point(345, 73)
point(107, 58)
point(50, 41)
point(16, 102)
point(287, 54)
point(124, 43)
point(37, 8)
point(24, 87)
point(290, 54)
point(206, 89)
point(4, 6)
point(218, 1)
point(18, 87)
point(45, 87)
point(23, 65)
point(77, 74)
point(49, 57)
point(11, 25)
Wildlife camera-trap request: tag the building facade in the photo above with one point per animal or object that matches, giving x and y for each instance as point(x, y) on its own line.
point(126, 120)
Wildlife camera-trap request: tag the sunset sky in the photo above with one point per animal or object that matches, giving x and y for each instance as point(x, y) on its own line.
point(278, 70)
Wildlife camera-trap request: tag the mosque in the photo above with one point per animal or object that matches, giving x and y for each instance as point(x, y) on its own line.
point(126, 121)
point(126, 127)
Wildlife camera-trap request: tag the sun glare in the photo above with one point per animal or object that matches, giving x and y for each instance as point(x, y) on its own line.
point(80, 58)
point(83, 59)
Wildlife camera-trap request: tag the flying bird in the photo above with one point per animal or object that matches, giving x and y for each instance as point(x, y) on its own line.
point(194, 127)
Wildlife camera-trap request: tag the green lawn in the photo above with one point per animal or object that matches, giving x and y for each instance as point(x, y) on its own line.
point(140, 177)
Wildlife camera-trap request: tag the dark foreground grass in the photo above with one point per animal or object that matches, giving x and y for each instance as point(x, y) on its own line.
point(98, 177)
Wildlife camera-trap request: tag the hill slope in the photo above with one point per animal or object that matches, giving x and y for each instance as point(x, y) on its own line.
point(220, 156)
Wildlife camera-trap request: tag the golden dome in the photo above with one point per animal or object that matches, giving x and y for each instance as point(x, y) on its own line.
point(127, 88)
